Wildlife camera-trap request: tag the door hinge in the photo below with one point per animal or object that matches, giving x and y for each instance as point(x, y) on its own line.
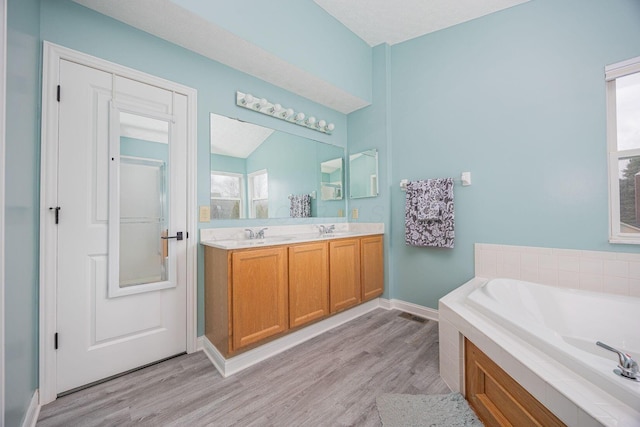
point(58, 93)
point(55, 341)
point(57, 213)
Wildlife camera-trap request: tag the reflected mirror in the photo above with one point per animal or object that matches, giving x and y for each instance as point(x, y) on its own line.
point(258, 172)
point(363, 174)
point(331, 184)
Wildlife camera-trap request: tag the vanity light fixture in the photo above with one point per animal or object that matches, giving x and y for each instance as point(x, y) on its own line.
point(262, 105)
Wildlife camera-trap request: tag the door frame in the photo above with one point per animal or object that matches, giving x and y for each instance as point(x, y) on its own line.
point(3, 102)
point(52, 55)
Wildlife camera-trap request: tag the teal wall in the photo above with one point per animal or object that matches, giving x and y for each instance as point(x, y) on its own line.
point(62, 21)
point(299, 31)
point(518, 99)
point(22, 195)
point(369, 128)
point(291, 164)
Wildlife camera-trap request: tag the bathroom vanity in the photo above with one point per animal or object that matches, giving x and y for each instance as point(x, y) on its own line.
point(256, 291)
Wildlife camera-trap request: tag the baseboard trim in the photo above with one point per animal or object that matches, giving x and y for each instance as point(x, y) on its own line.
point(31, 417)
point(418, 310)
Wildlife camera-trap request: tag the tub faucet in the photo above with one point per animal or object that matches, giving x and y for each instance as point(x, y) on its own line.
point(628, 366)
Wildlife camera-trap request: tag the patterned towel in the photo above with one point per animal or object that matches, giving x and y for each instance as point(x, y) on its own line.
point(300, 206)
point(429, 213)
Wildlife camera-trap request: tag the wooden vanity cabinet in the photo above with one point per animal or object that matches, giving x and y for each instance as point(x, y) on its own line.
point(256, 294)
point(308, 283)
point(259, 294)
point(246, 296)
point(372, 266)
point(344, 274)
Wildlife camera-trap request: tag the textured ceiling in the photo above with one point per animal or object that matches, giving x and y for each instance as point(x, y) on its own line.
point(235, 138)
point(384, 21)
point(375, 21)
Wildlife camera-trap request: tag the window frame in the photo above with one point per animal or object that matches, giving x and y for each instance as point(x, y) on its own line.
point(251, 199)
point(612, 73)
point(242, 197)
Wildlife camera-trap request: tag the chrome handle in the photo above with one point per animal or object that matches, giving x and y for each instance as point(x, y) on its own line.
point(627, 365)
point(251, 233)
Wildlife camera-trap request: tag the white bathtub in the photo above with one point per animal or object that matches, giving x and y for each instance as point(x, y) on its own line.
point(565, 324)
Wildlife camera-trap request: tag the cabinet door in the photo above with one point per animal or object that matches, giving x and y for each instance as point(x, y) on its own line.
point(372, 259)
point(344, 273)
point(259, 294)
point(308, 283)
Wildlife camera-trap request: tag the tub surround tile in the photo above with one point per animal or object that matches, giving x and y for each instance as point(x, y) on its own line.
point(634, 287)
point(616, 268)
point(569, 263)
point(591, 282)
point(616, 285)
point(591, 265)
point(610, 272)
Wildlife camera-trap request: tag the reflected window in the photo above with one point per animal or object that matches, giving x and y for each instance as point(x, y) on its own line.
point(623, 110)
point(227, 201)
point(259, 194)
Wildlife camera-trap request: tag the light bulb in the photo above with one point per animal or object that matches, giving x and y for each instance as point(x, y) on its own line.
point(263, 103)
point(287, 113)
point(275, 109)
point(331, 127)
point(310, 121)
point(248, 99)
point(299, 117)
point(322, 124)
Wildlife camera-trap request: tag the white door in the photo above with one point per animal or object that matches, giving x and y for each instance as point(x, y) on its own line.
point(121, 279)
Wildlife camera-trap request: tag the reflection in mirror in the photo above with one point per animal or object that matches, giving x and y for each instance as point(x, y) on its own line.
point(363, 174)
point(143, 200)
point(331, 184)
point(255, 169)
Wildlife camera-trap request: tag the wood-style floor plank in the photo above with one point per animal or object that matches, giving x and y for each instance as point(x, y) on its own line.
point(330, 380)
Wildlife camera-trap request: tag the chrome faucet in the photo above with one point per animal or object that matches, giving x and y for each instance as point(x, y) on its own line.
point(628, 366)
point(326, 229)
point(256, 234)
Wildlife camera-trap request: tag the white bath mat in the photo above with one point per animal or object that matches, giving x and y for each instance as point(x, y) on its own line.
point(438, 410)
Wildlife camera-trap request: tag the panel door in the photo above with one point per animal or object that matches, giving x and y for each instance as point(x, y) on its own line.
point(344, 274)
point(372, 259)
point(308, 283)
point(121, 287)
point(259, 294)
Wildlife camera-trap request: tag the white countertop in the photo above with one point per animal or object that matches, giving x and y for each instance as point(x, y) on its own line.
point(237, 237)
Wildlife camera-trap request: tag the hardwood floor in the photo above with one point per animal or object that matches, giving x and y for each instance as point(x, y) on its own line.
point(331, 380)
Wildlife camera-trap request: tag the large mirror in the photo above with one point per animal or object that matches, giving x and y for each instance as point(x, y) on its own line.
point(363, 174)
point(257, 172)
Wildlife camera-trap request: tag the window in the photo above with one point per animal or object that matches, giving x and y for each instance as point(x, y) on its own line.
point(623, 139)
point(259, 194)
point(227, 201)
